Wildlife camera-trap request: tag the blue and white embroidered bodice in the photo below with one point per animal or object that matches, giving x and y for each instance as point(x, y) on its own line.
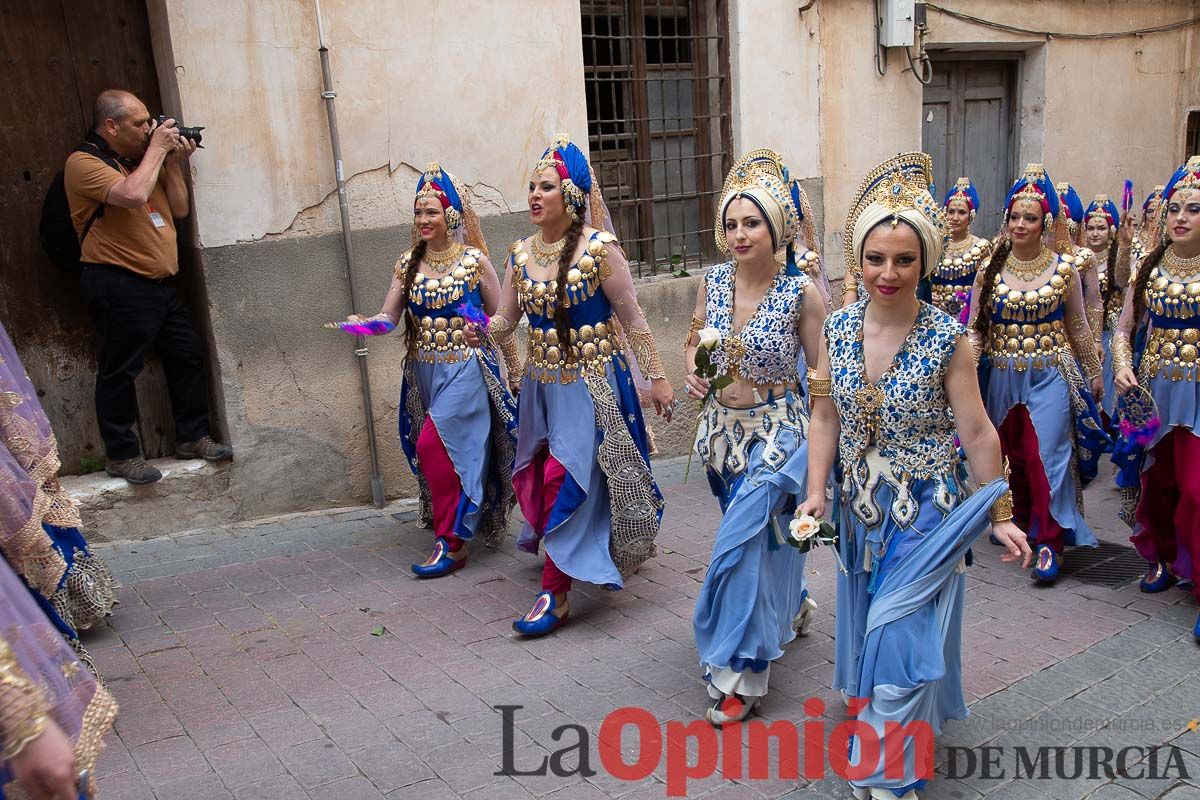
point(900, 430)
point(767, 348)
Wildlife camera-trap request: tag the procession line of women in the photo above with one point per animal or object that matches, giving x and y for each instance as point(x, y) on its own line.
point(902, 421)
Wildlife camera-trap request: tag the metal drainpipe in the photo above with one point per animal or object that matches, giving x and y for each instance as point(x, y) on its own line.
point(360, 349)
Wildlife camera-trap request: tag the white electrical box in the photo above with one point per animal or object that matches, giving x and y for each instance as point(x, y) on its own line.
point(896, 26)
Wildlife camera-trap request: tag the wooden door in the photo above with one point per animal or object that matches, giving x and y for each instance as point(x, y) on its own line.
point(55, 57)
point(969, 128)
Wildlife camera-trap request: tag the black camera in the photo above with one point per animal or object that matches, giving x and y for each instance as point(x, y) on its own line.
point(184, 131)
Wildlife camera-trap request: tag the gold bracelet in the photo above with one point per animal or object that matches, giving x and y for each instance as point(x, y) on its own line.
point(1122, 355)
point(641, 342)
point(695, 327)
point(501, 334)
point(1002, 509)
point(819, 387)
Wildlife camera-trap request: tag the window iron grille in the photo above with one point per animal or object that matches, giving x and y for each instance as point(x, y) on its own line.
point(656, 74)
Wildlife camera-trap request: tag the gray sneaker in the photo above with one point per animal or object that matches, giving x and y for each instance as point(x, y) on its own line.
point(135, 470)
point(204, 448)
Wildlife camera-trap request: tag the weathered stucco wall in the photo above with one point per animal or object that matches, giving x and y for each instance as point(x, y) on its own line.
point(775, 63)
point(1094, 111)
point(480, 85)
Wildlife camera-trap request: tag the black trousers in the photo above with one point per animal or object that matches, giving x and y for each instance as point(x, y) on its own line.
point(131, 315)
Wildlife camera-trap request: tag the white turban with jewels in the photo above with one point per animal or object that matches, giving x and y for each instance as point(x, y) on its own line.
point(895, 192)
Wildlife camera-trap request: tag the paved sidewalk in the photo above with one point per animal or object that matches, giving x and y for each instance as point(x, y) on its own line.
point(299, 659)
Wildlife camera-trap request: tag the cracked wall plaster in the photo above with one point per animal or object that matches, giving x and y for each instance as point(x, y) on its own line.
point(408, 92)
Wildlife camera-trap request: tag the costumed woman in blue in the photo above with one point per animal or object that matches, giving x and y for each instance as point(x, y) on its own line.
point(582, 472)
point(1101, 235)
point(895, 382)
point(1029, 324)
point(457, 417)
point(951, 280)
point(753, 315)
point(1068, 239)
point(39, 523)
point(1156, 350)
point(1149, 230)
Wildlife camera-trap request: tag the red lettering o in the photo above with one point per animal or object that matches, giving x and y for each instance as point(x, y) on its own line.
point(649, 744)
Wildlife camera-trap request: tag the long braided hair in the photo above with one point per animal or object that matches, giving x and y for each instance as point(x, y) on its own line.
point(983, 320)
point(562, 320)
point(1144, 269)
point(410, 321)
point(1110, 290)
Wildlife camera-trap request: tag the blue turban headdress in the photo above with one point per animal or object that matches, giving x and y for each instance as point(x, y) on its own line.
point(1070, 202)
point(461, 221)
point(963, 190)
point(578, 180)
point(1035, 185)
point(1102, 206)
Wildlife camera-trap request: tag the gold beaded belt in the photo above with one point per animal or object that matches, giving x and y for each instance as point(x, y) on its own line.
point(592, 347)
point(1027, 345)
point(441, 340)
point(1172, 353)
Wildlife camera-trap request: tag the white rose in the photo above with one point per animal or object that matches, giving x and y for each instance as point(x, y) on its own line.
point(710, 338)
point(804, 527)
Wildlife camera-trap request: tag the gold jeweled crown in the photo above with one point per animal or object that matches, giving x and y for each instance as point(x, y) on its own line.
point(761, 167)
point(1031, 191)
point(1191, 176)
point(899, 183)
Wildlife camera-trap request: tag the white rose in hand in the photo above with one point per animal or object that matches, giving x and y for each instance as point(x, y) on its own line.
point(709, 338)
point(804, 527)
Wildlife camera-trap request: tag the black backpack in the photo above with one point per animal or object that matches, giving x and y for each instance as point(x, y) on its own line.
point(56, 230)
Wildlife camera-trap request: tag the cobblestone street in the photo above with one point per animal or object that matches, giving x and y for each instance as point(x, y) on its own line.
point(299, 659)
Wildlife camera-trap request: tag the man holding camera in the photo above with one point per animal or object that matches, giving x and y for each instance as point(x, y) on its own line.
point(125, 189)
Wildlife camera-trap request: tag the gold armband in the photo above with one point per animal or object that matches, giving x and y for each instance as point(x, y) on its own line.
point(1095, 318)
point(1122, 355)
point(1002, 509)
point(641, 342)
point(1124, 266)
point(1085, 348)
point(819, 387)
point(22, 706)
point(501, 333)
point(696, 326)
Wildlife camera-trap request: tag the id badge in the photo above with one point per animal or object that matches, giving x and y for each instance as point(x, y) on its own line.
point(157, 219)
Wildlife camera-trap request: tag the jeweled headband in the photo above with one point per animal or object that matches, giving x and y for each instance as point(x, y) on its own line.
point(1186, 177)
point(572, 166)
point(963, 190)
point(1035, 185)
point(1104, 208)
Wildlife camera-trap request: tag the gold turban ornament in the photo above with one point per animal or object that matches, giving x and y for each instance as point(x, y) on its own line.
point(759, 176)
point(897, 190)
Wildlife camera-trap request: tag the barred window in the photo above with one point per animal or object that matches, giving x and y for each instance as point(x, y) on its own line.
point(656, 74)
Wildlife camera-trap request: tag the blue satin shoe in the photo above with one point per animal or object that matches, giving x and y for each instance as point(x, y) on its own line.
point(541, 618)
point(440, 562)
point(1157, 579)
point(992, 538)
point(1047, 566)
point(1196, 629)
